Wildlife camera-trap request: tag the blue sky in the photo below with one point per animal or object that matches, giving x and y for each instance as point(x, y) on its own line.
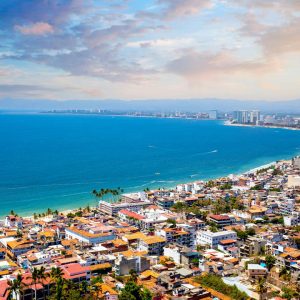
point(156, 49)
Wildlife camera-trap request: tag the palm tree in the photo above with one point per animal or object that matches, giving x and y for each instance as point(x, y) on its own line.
point(261, 287)
point(35, 278)
point(42, 276)
point(56, 275)
point(16, 286)
point(83, 287)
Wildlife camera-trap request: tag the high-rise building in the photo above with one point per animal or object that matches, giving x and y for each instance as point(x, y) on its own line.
point(254, 116)
point(246, 116)
point(241, 116)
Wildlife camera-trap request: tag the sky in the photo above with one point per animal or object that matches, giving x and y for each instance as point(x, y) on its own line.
point(155, 49)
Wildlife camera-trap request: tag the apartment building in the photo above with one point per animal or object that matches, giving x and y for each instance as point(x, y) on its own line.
point(153, 245)
point(213, 238)
point(252, 246)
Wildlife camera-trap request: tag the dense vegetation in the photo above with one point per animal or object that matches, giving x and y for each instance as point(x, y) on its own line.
point(215, 282)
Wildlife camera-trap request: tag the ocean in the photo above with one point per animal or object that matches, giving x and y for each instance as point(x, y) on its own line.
point(55, 161)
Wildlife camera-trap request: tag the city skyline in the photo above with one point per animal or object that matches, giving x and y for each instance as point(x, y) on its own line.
point(159, 49)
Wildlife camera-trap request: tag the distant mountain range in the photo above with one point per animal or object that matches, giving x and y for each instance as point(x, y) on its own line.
point(193, 105)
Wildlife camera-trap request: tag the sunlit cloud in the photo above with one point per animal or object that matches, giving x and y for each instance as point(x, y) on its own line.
point(154, 49)
point(39, 28)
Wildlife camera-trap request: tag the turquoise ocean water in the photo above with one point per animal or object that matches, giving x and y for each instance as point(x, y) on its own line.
point(57, 160)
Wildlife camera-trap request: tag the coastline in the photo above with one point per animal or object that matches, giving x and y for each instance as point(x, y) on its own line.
point(73, 210)
point(261, 126)
point(65, 200)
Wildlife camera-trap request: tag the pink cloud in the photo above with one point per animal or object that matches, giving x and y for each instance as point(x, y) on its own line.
point(196, 66)
point(39, 28)
point(182, 8)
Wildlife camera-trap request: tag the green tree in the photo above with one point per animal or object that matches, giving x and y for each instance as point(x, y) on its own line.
point(133, 275)
point(16, 287)
point(132, 291)
point(261, 287)
point(42, 276)
point(289, 293)
point(180, 206)
point(172, 222)
point(215, 282)
point(56, 275)
point(270, 261)
point(35, 279)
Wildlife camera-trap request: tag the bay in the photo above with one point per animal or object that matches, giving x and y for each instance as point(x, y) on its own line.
point(55, 161)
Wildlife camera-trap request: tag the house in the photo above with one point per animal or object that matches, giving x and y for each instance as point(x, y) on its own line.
point(18, 247)
point(180, 254)
point(255, 271)
point(107, 292)
point(130, 216)
point(76, 273)
point(220, 220)
point(225, 244)
point(13, 222)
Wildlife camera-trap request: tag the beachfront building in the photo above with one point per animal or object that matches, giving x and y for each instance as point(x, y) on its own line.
point(112, 209)
point(246, 117)
point(213, 238)
point(13, 222)
point(90, 235)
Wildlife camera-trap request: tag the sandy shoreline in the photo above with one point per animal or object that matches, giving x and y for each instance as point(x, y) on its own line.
point(73, 210)
point(260, 126)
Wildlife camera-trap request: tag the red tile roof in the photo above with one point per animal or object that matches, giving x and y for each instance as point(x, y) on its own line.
point(4, 289)
point(227, 242)
point(219, 217)
point(74, 271)
point(131, 214)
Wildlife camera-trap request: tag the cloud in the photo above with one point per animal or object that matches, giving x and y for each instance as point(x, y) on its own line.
point(196, 66)
point(33, 11)
point(280, 40)
point(164, 43)
point(39, 28)
point(22, 88)
point(183, 8)
point(138, 44)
